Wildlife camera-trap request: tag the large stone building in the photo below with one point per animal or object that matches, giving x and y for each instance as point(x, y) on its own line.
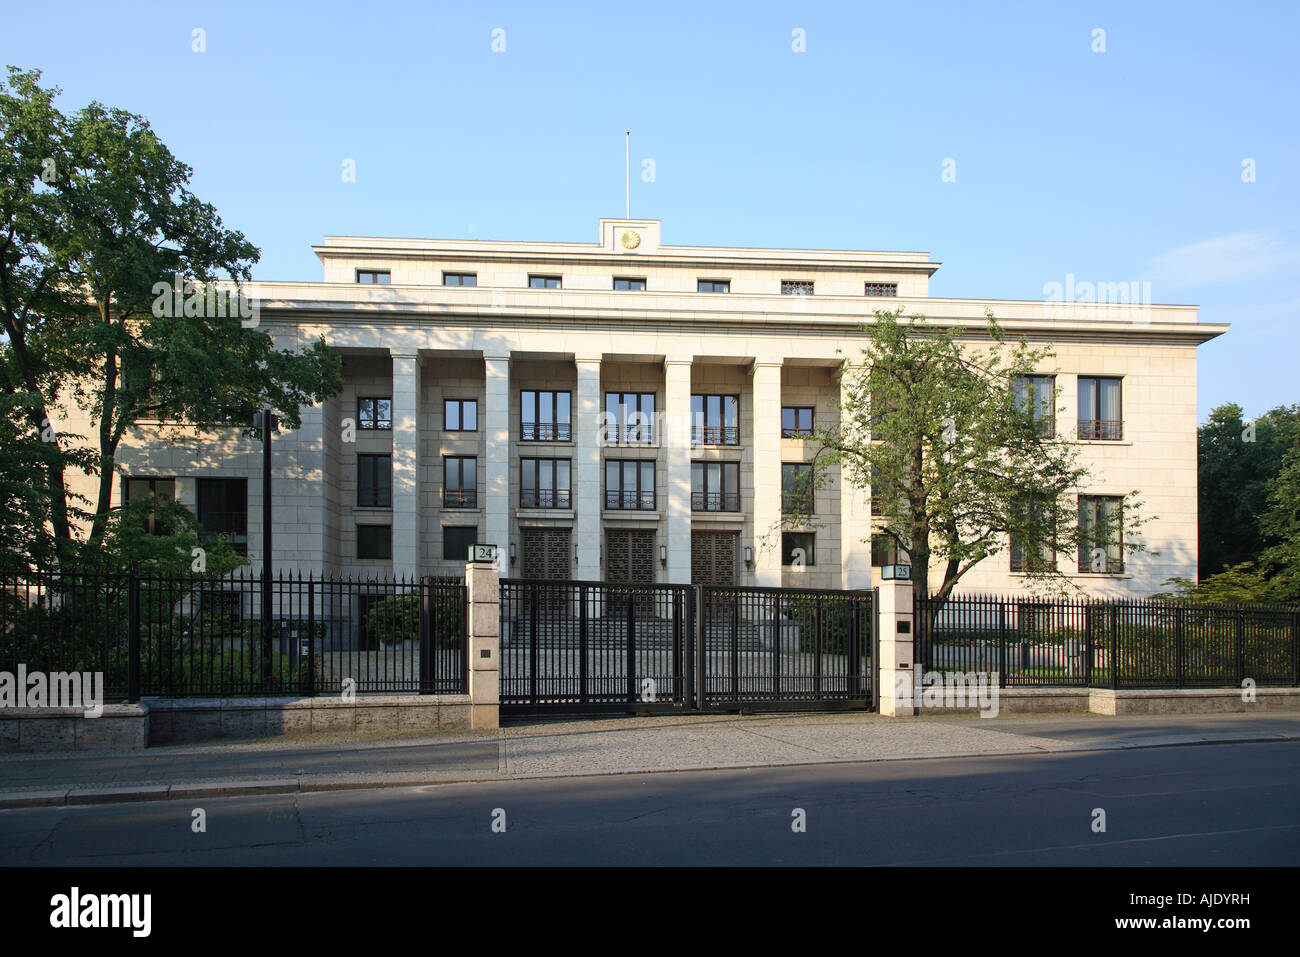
point(476, 374)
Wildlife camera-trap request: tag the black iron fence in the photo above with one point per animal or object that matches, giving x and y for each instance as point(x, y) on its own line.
point(199, 636)
point(1102, 643)
point(585, 646)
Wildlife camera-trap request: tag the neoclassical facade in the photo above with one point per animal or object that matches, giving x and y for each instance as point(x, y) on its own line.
point(629, 410)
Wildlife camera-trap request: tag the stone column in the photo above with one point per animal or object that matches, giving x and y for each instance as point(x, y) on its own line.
point(586, 466)
point(897, 663)
point(406, 466)
point(676, 440)
point(495, 480)
point(767, 471)
point(855, 514)
point(484, 588)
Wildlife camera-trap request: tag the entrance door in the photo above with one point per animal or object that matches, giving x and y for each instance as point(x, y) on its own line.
point(629, 560)
point(629, 557)
point(713, 558)
point(547, 554)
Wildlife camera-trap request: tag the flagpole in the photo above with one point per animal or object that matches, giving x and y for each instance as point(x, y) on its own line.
point(628, 161)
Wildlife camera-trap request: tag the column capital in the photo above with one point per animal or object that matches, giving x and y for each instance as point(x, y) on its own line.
point(495, 357)
point(767, 362)
point(678, 360)
point(588, 358)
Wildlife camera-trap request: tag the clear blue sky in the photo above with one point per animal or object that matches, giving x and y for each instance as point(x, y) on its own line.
point(1115, 166)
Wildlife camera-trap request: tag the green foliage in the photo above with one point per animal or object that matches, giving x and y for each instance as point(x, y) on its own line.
point(1236, 464)
point(963, 468)
point(397, 619)
point(97, 215)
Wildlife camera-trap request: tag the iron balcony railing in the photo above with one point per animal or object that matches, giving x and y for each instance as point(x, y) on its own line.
point(715, 501)
point(715, 435)
point(629, 500)
point(1108, 429)
point(629, 435)
point(546, 432)
point(544, 498)
point(460, 498)
point(1100, 564)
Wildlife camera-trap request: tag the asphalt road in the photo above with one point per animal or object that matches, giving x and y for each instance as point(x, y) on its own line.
point(1226, 804)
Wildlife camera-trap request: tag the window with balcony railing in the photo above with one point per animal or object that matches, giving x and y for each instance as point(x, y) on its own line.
point(1101, 531)
point(715, 420)
point(796, 422)
point(715, 486)
point(796, 287)
point(629, 485)
point(629, 418)
point(1100, 408)
point(545, 416)
point(881, 289)
point(545, 483)
point(459, 481)
point(1035, 395)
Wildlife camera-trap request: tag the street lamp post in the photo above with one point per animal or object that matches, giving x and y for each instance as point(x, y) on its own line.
point(267, 421)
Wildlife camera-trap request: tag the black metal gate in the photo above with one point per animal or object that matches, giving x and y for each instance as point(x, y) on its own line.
point(599, 646)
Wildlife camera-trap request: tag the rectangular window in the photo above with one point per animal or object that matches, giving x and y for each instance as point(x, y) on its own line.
point(878, 289)
point(543, 282)
point(798, 549)
point(1024, 557)
point(223, 509)
point(459, 481)
point(370, 277)
point(637, 285)
point(629, 418)
point(460, 279)
point(545, 416)
point(796, 487)
point(878, 410)
point(456, 541)
point(1101, 528)
point(460, 415)
point(375, 481)
point(544, 483)
point(375, 541)
point(885, 551)
point(630, 484)
point(796, 287)
point(713, 285)
point(138, 489)
point(1100, 415)
point(715, 486)
point(715, 420)
point(375, 413)
point(1035, 395)
point(796, 421)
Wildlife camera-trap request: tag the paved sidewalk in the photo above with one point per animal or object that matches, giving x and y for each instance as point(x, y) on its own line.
point(560, 748)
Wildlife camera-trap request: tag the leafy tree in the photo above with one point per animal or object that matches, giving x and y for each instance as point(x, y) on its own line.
point(1281, 523)
point(957, 464)
point(98, 218)
point(1241, 584)
point(1237, 460)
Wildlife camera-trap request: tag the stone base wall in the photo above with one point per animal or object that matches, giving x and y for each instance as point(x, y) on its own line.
point(122, 727)
point(180, 721)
